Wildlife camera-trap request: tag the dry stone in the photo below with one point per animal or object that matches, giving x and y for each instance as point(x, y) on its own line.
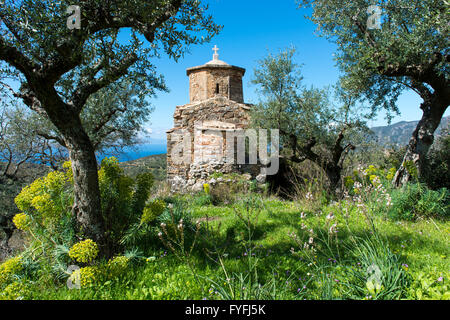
point(216, 108)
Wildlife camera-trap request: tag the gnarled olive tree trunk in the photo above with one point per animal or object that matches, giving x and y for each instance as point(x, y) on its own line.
point(87, 206)
point(422, 138)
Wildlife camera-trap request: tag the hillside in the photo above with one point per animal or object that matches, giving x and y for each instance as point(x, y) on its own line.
point(399, 133)
point(156, 164)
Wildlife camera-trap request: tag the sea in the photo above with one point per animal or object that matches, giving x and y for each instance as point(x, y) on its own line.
point(136, 152)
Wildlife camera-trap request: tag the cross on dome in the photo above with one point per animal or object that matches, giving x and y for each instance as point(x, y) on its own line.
point(215, 60)
point(215, 55)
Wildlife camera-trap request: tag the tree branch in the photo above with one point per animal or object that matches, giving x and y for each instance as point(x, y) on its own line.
point(50, 137)
point(16, 59)
point(85, 90)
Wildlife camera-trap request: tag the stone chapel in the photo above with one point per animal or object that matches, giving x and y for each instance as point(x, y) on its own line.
point(198, 138)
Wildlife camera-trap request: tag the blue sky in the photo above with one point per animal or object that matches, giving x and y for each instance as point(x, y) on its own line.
point(251, 30)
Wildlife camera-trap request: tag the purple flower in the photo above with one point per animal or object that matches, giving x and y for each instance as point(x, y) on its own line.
point(440, 279)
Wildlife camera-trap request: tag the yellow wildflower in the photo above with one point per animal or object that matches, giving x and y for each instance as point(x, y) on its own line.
point(391, 173)
point(21, 221)
point(16, 291)
point(84, 251)
point(117, 266)
point(24, 198)
point(55, 181)
point(153, 210)
point(206, 188)
point(45, 206)
point(86, 276)
point(10, 267)
point(67, 167)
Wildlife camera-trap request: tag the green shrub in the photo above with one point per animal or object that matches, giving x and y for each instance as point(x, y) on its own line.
point(436, 171)
point(176, 212)
point(17, 290)
point(417, 200)
point(152, 211)
point(48, 224)
point(123, 199)
point(202, 199)
point(379, 275)
point(433, 285)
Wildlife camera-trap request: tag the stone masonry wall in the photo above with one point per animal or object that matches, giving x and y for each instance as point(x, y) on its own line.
point(203, 84)
point(207, 123)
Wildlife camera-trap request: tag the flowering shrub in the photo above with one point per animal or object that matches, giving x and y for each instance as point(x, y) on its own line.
point(152, 211)
point(206, 188)
point(84, 251)
point(41, 199)
point(370, 170)
point(67, 167)
point(370, 175)
point(348, 182)
point(16, 291)
point(55, 181)
point(87, 276)
point(416, 200)
point(117, 266)
point(123, 199)
point(390, 174)
point(9, 268)
point(22, 221)
point(369, 190)
point(24, 198)
point(45, 206)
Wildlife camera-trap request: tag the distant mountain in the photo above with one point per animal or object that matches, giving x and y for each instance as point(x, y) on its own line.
point(156, 164)
point(399, 133)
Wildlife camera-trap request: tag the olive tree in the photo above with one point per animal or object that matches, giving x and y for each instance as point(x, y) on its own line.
point(311, 125)
point(61, 56)
point(386, 47)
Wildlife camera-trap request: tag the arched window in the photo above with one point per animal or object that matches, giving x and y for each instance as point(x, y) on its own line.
point(217, 88)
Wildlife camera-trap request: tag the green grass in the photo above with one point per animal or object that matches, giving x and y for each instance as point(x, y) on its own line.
point(270, 264)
